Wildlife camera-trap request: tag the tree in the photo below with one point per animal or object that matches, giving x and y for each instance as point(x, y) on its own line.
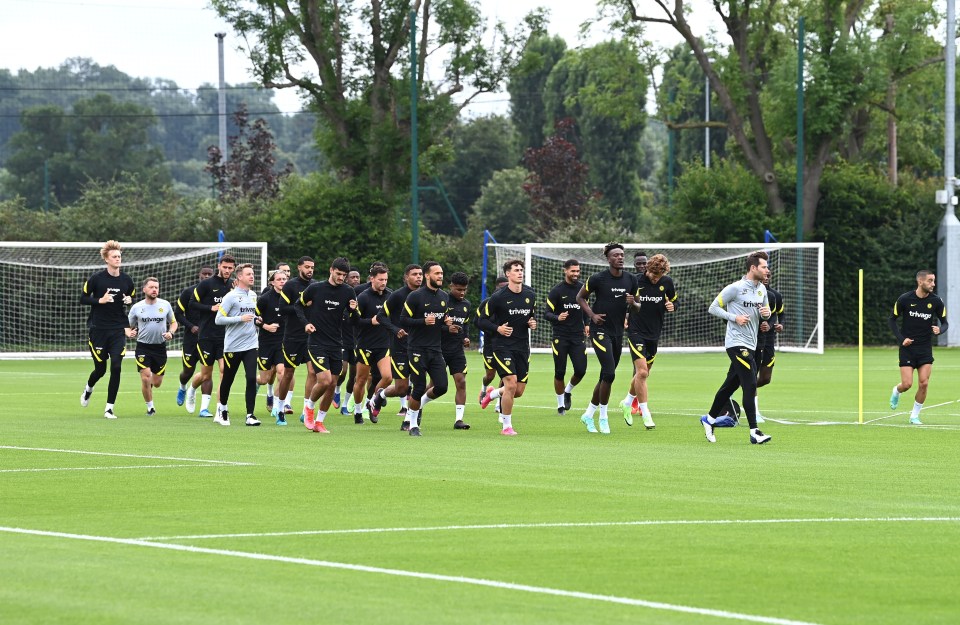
point(249, 171)
point(503, 207)
point(603, 88)
point(480, 146)
point(98, 140)
point(558, 182)
point(844, 74)
point(527, 85)
point(351, 58)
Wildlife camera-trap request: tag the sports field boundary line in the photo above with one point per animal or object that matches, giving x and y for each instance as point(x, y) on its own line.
point(500, 526)
point(540, 590)
point(118, 455)
point(141, 466)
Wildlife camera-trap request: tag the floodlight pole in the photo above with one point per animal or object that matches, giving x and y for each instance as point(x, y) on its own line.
point(222, 97)
point(948, 256)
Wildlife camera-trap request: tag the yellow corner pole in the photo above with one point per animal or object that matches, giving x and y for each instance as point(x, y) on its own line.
point(860, 346)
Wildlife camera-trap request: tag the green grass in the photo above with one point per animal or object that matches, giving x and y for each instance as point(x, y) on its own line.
point(373, 476)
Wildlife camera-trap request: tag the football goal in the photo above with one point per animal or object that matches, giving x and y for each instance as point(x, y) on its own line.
point(700, 271)
point(40, 286)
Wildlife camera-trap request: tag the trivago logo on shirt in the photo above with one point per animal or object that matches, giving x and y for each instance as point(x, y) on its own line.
point(924, 316)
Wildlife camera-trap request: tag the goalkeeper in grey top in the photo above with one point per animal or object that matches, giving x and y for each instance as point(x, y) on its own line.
point(238, 313)
point(743, 304)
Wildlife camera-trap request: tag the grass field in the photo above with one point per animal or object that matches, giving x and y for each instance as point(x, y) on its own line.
point(177, 520)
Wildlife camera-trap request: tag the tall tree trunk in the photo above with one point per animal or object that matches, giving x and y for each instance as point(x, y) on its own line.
point(892, 167)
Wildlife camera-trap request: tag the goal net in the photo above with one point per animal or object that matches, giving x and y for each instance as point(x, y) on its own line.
point(700, 272)
point(40, 285)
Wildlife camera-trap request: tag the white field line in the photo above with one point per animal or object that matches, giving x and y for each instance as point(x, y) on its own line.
point(500, 526)
point(103, 453)
point(902, 413)
point(142, 466)
point(654, 605)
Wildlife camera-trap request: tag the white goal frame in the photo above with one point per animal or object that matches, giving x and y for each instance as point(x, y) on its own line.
point(814, 342)
point(211, 250)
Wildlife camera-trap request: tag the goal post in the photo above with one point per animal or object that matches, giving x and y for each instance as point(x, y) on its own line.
point(700, 272)
point(40, 284)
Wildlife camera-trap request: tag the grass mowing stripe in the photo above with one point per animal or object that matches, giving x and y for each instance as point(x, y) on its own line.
point(655, 605)
point(104, 453)
point(500, 526)
point(142, 466)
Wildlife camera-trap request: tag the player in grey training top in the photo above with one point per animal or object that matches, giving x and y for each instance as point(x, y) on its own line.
point(153, 324)
point(743, 304)
point(238, 313)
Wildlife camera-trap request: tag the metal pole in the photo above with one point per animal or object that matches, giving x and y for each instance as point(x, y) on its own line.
point(222, 107)
point(800, 38)
point(948, 256)
point(414, 173)
point(706, 130)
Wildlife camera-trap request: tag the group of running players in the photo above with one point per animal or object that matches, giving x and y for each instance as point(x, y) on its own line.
point(401, 344)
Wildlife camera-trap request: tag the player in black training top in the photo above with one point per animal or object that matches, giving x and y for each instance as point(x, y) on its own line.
point(569, 330)
point(613, 292)
point(390, 318)
point(767, 340)
point(454, 340)
point(509, 314)
point(349, 371)
point(321, 309)
point(189, 320)
point(373, 343)
point(107, 292)
point(424, 313)
point(924, 316)
point(206, 303)
point(294, 348)
point(270, 340)
point(656, 295)
point(487, 341)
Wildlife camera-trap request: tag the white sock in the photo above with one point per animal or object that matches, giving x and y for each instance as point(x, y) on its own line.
point(495, 393)
point(150, 405)
point(412, 417)
point(403, 402)
point(507, 423)
point(320, 416)
point(192, 392)
point(569, 388)
point(204, 402)
point(753, 431)
point(289, 398)
point(269, 390)
point(916, 410)
point(183, 387)
point(711, 420)
point(358, 408)
point(560, 401)
point(896, 391)
point(591, 409)
point(460, 409)
point(424, 400)
point(644, 410)
point(108, 407)
point(222, 408)
point(603, 411)
point(87, 388)
point(628, 400)
point(307, 403)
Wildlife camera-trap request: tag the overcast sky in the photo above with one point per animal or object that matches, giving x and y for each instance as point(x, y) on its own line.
point(174, 39)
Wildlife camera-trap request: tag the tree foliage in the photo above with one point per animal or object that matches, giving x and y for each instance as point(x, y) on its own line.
point(352, 59)
point(503, 207)
point(250, 169)
point(528, 84)
point(559, 182)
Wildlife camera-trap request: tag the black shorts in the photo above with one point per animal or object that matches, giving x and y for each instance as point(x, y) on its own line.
point(456, 361)
point(209, 351)
point(488, 354)
point(270, 354)
point(326, 358)
point(641, 348)
point(152, 356)
point(508, 362)
point(294, 352)
point(766, 356)
point(427, 364)
point(398, 362)
point(104, 343)
point(916, 356)
point(189, 357)
point(350, 354)
point(371, 357)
